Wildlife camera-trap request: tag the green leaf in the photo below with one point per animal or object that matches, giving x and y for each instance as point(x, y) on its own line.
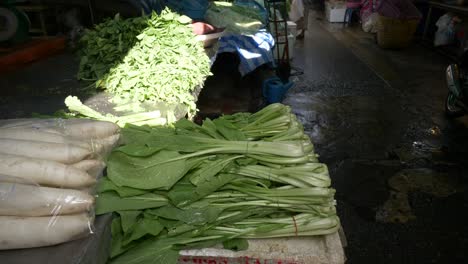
point(182, 192)
point(186, 193)
point(116, 231)
point(110, 202)
point(138, 150)
point(128, 219)
point(180, 228)
point(141, 228)
point(191, 216)
point(142, 173)
point(183, 123)
point(236, 244)
point(228, 130)
point(117, 247)
point(168, 16)
point(177, 142)
point(184, 20)
point(134, 136)
point(153, 250)
point(210, 128)
point(105, 185)
point(167, 223)
point(214, 184)
point(208, 170)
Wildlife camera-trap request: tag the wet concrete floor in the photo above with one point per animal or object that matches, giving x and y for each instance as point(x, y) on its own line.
point(399, 166)
point(376, 117)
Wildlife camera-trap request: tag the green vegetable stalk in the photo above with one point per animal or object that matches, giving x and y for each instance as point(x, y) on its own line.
point(146, 118)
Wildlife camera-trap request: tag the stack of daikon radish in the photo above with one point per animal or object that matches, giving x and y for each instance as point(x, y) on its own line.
point(48, 171)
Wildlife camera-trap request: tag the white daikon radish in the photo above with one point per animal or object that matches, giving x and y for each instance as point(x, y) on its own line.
point(107, 143)
point(75, 127)
point(54, 125)
point(8, 178)
point(110, 141)
point(38, 135)
point(91, 129)
point(23, 122)
point(28, 232)
point(30, 200)
point(46, 172)
point(92, 167)
point(40, 122)
point(65, 153)
point(59, 126)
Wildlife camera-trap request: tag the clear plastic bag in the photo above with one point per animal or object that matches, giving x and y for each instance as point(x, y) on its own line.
point(20, 199)
point(66, 140)
point(48, 172)
point(445, 34)
point(35, 216)
point(370, 25)
point(29, 232)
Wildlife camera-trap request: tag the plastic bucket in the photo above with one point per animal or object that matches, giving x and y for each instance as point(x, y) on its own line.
point(274, 90)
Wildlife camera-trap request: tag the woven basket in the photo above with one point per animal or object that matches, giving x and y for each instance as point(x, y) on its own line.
point(395, 33)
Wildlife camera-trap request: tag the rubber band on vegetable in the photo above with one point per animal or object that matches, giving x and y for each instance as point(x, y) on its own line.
point(295, 225)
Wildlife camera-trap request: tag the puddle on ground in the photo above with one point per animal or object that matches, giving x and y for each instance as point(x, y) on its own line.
point(397, 208)
point(416, 151)
point(359, 125)
point(424, 151)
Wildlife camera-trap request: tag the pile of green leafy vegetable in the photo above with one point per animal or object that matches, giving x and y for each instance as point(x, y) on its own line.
point(234, 18)
point(236, 177)
point(149, 58)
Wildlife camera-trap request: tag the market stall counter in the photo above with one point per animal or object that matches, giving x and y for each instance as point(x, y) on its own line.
point(304, 250)
point(95, 249)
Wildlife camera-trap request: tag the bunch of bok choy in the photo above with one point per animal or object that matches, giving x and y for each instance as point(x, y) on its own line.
point(236, 177)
